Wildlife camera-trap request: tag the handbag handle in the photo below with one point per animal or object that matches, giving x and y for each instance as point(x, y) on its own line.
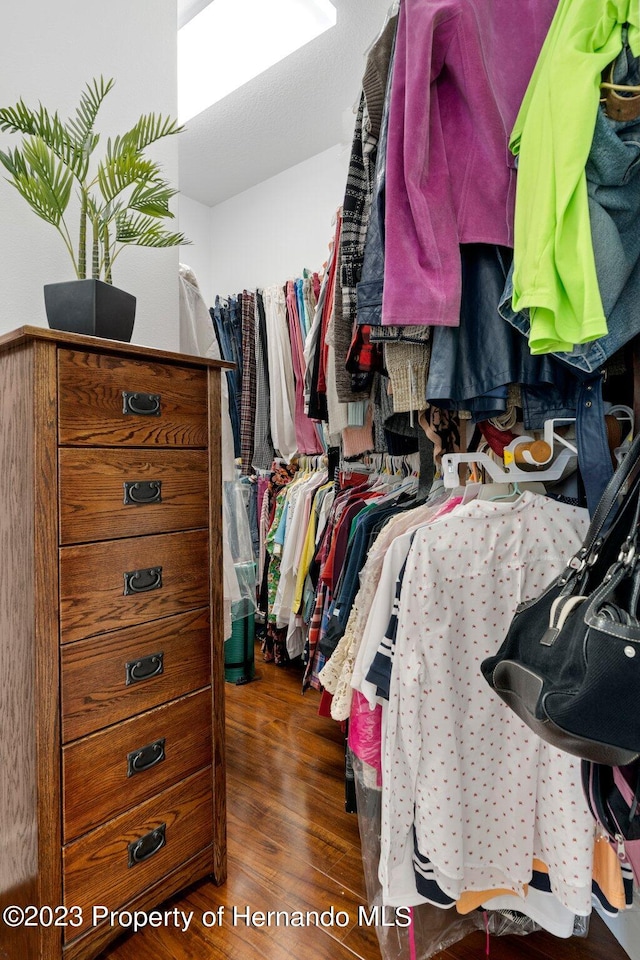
point(607, 503)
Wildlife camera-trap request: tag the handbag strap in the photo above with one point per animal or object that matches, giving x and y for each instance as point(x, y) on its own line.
point(607, 505)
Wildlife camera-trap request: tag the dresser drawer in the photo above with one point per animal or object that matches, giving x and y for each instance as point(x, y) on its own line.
point(127, 672)
point(113, 770)
point(112, 865)
point(106, 494)
point(106, 400)
point(120, 583)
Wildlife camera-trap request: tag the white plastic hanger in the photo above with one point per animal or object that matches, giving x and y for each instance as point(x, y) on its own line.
point(510, 472)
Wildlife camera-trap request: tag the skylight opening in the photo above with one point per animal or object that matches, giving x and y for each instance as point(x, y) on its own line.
point(232, 41)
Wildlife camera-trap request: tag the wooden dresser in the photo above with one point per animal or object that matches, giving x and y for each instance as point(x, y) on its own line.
point(112, 776)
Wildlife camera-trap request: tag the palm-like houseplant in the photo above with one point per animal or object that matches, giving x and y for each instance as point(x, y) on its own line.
point(122, 199)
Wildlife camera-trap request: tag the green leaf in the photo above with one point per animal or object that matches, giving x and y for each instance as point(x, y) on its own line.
point(18, 119)
point(40, 179)
point(149, 128)
point(153, 199)
point(14, 162)
point(49, 128)
point(55, 179)
point(161, 238)
point(80, 127)
point(37, 198)
point(145, 231)
point(52, 132)
point(116, 173)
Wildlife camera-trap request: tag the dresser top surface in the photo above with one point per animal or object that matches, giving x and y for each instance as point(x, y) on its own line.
point(62, 339)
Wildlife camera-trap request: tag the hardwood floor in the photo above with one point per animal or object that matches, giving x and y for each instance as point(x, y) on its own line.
point(293, 848)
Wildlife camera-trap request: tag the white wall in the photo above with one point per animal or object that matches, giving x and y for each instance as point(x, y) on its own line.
point(48, 51)
point(272, 231)
point(196, 224)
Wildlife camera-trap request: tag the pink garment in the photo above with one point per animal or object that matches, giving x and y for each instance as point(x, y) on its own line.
point(306, 433)
point(359, 440)
point(365, 733)
point(447, 507)
point(460, 72)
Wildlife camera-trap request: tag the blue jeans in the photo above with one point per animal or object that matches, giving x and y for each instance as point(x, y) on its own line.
point(369, 289)
point(228, 323)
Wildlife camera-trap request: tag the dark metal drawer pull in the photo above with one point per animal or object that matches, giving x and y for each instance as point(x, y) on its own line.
point(142, 581)
point(141, 404)
point(144, 848)
point(145, 668)
point(146, 757)
point(142, 491)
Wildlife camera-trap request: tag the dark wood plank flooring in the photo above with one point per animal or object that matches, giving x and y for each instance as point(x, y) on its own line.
point(293, 848)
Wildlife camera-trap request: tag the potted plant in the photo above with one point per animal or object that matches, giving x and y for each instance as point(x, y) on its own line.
point(122, 200)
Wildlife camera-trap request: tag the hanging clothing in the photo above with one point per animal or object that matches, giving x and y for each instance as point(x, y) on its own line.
point(228, 327)
point(357, 202)
point(307, 439)
point(473, 364)
point(554, 270)
point(317, 346)
point(338, 673)
point(613, 188)
point(281, 378)
point(249, 382)
point(315, 403)
point(263, 452)
point(461, 68)
point(455, 763)
point(197, 337)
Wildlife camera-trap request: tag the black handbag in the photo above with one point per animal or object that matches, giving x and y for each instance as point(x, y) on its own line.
point(570, 664)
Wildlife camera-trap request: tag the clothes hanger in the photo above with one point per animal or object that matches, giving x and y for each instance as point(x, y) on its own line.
point(470, 491)
point(513, 492)
point(451, 462)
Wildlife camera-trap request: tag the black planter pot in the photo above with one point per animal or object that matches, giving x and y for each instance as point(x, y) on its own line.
point(91, 307)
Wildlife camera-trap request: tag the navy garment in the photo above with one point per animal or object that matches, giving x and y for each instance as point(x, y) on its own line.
point(367, 528)
point(594, 458)
point(472, 364)
point(382, 663)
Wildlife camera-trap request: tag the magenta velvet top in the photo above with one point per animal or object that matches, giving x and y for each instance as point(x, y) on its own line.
point(460, 72)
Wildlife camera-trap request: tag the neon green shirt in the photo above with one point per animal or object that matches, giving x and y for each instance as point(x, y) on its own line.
point(554, 267)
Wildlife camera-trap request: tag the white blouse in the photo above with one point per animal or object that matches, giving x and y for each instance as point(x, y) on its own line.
point(486, 795)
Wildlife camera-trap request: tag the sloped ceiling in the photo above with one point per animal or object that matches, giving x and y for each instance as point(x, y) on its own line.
point(296, 109)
